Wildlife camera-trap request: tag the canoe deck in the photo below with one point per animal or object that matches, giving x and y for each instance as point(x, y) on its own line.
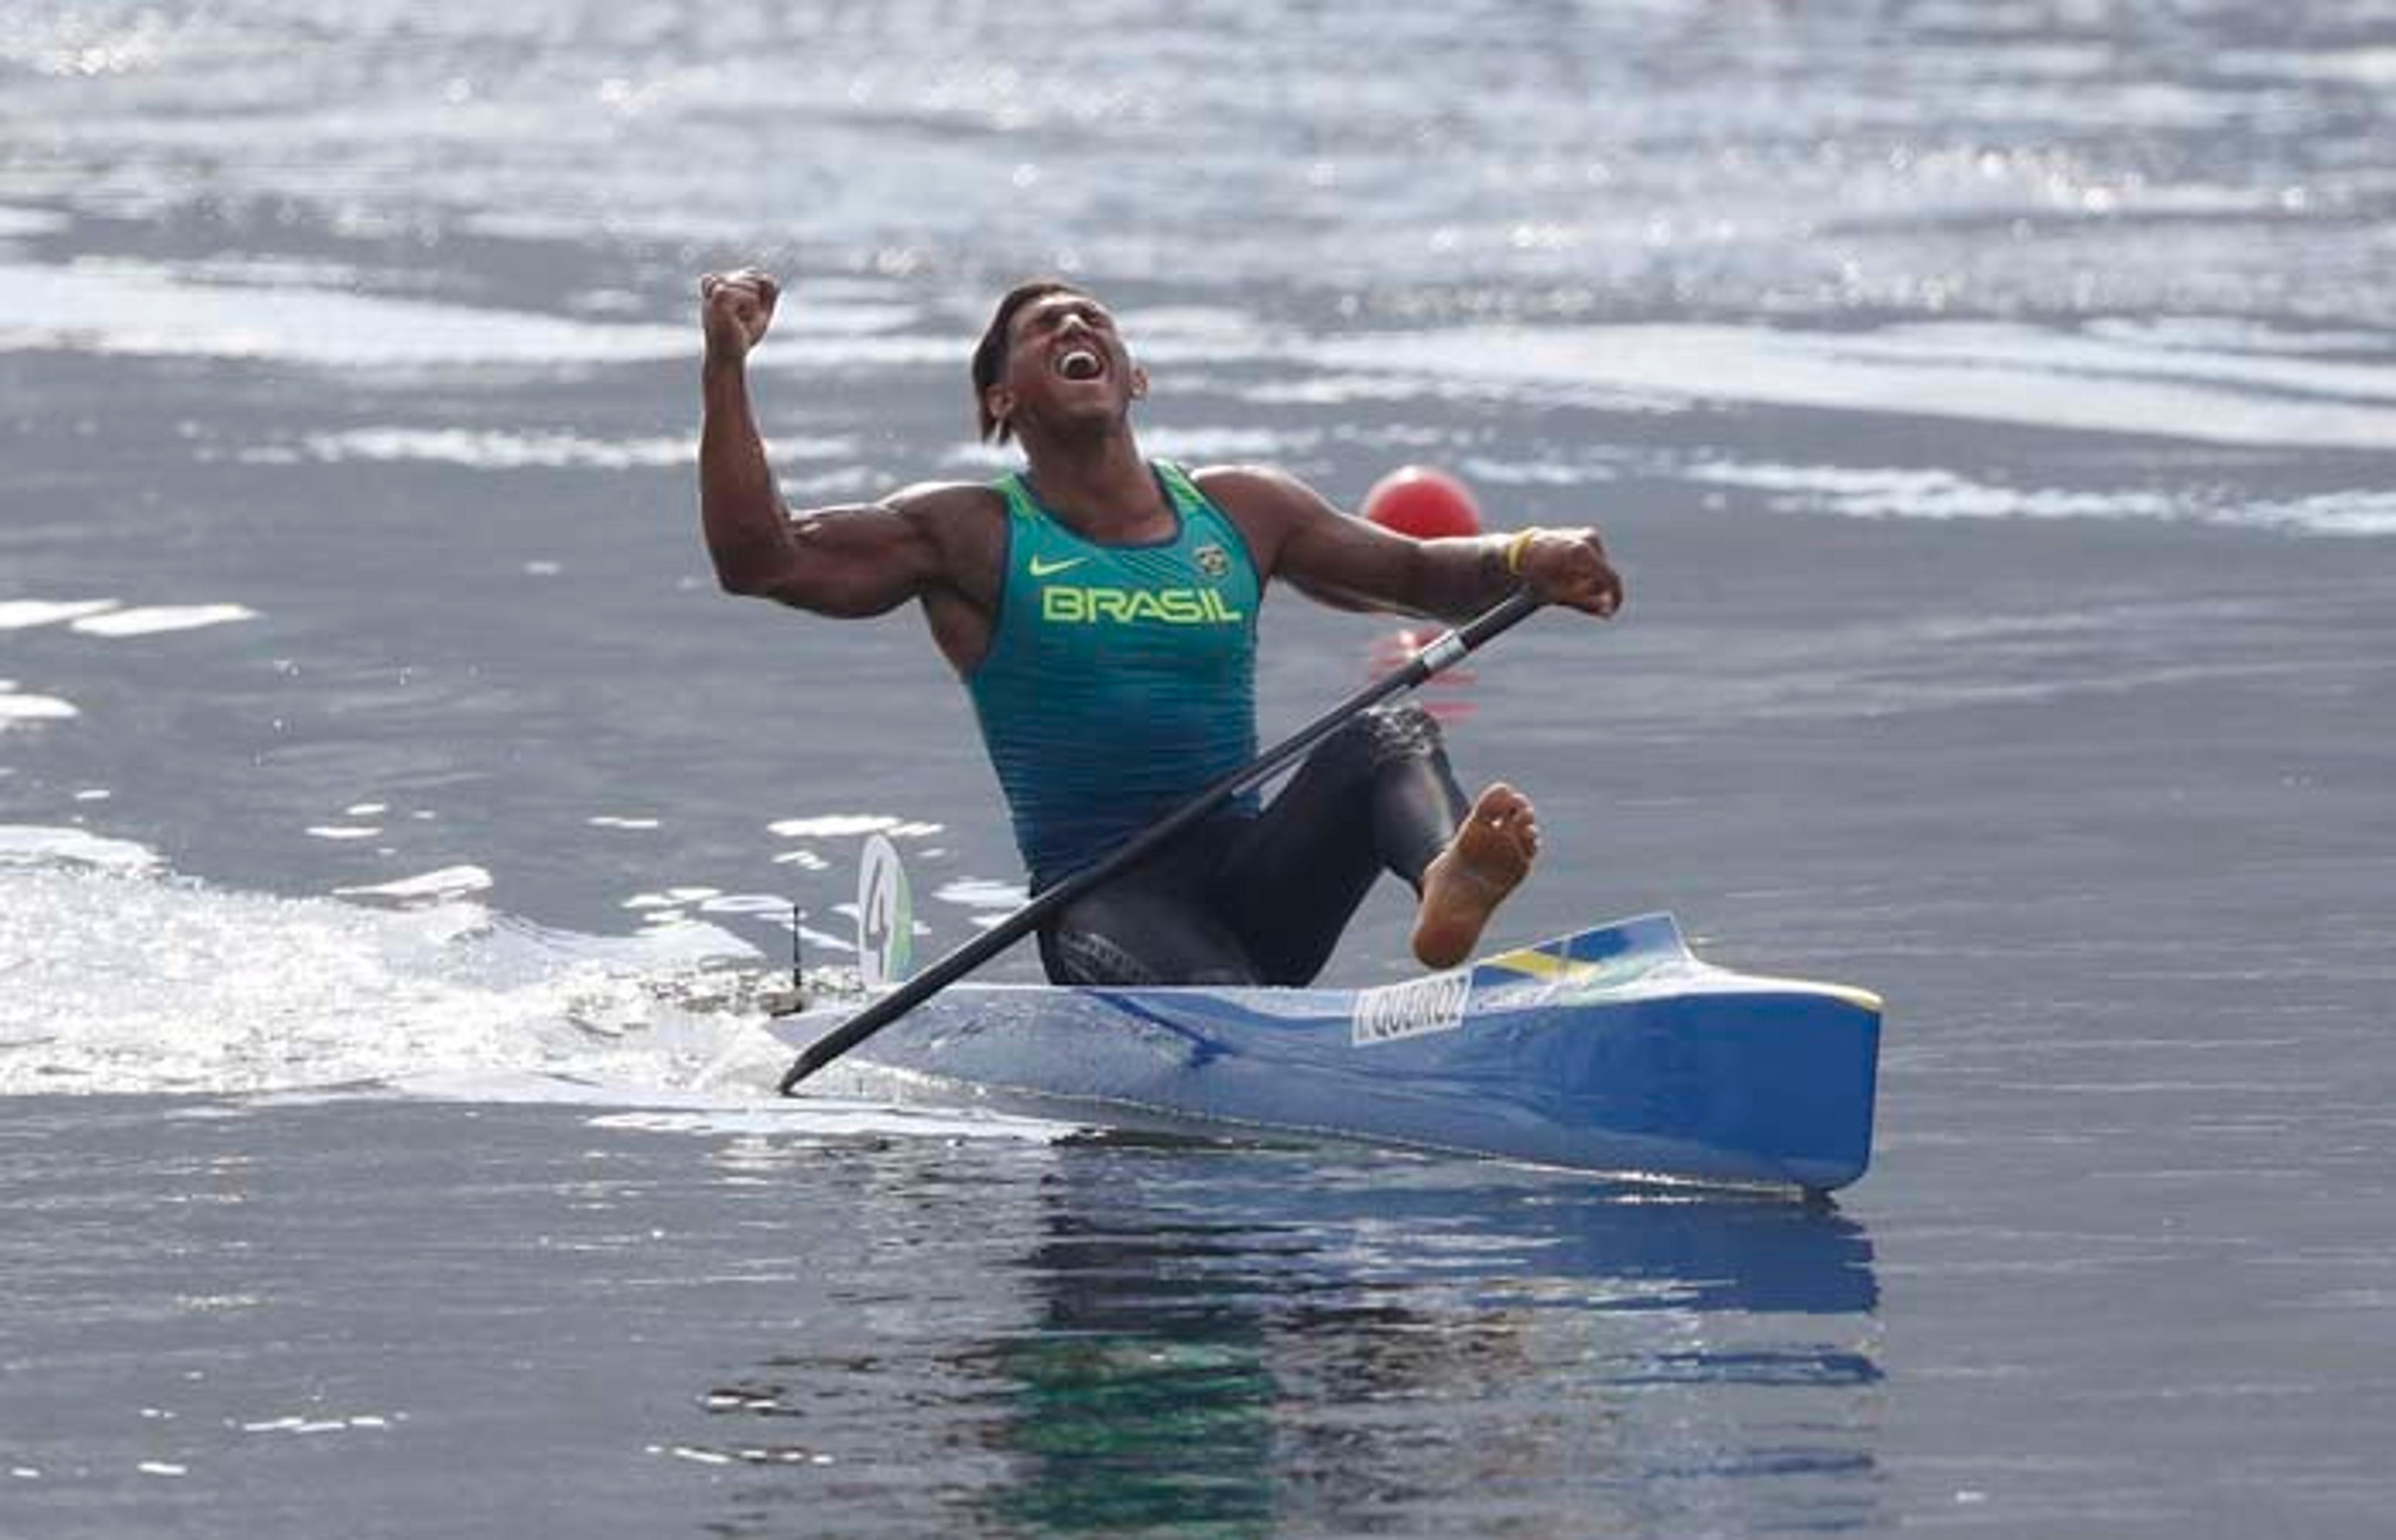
point(1614, 1050)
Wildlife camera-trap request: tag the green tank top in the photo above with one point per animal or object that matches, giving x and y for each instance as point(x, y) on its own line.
point(1120, 680)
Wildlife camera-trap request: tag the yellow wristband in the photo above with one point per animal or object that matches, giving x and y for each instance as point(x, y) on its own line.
point(1514, 549)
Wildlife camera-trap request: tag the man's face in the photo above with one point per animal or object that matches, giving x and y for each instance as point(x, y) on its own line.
point(1065, 360)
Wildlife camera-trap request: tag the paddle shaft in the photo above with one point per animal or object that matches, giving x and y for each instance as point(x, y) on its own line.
point(1444, 652)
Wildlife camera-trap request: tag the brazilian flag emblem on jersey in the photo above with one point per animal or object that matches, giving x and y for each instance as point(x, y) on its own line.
point(1213, 560)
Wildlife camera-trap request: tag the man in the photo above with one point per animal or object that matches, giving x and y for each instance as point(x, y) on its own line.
point(1101, 609)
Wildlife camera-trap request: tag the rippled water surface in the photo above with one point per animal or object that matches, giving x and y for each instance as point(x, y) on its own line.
point(1990, 403)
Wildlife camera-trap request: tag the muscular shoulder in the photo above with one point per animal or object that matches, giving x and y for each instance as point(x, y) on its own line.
point(964, 521)
point(1262, 489)
point(1269, 505)
point(950, 501)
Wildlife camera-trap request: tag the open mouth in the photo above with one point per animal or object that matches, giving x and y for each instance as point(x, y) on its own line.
point(1080, 363)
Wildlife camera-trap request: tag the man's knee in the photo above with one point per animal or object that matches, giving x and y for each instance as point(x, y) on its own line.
point(1402, 730)
point(1356, 751)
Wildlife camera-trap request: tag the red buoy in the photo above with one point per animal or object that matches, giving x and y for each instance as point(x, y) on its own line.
point(1426, 504)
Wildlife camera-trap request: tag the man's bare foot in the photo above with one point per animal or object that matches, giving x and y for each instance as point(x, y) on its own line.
point(1462, 887)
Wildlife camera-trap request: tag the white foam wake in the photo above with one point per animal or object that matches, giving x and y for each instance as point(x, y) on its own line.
point(117, 976)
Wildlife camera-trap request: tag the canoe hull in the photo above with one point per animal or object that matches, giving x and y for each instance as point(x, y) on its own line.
point(1612, 1051)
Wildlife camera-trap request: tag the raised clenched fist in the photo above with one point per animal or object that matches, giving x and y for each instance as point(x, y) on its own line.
point(735, 308)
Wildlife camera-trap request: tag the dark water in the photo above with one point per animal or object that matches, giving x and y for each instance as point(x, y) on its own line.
point(1992, 405)
point(661, 1338)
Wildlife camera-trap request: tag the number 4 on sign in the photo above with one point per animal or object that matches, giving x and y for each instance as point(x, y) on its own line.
point(885, 917)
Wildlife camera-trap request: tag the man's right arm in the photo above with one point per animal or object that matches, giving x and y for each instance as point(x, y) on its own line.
point(853, 560)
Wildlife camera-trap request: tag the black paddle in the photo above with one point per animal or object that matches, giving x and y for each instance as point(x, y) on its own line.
point(1443, 652)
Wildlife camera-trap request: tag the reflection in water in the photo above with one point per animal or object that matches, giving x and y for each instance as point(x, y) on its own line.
point(1252, 1342)
point(1222, 1351)
point(1137, 1412)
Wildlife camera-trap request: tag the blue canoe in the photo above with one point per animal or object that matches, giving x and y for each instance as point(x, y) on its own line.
point(1614, 1050)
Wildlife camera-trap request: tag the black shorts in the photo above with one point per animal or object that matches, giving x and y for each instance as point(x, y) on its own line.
point(1262, 897)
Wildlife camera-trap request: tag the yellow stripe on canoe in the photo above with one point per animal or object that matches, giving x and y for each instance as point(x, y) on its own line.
point(1539, 964)
point(1547, 966)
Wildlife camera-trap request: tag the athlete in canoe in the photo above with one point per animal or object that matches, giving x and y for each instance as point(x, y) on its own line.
point(1101, 608)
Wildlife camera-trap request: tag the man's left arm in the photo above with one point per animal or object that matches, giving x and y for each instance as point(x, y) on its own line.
point(1353, 564)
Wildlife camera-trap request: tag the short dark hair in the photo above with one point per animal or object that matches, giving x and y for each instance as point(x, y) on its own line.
point(989, 353)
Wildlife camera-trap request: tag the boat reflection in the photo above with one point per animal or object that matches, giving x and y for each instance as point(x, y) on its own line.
point(1234, 1346)
point(1244, 1341)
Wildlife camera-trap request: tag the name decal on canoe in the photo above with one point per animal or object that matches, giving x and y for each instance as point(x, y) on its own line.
point(1415, 1008)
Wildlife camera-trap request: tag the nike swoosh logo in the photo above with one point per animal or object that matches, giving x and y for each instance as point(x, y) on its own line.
point(1049, 569)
